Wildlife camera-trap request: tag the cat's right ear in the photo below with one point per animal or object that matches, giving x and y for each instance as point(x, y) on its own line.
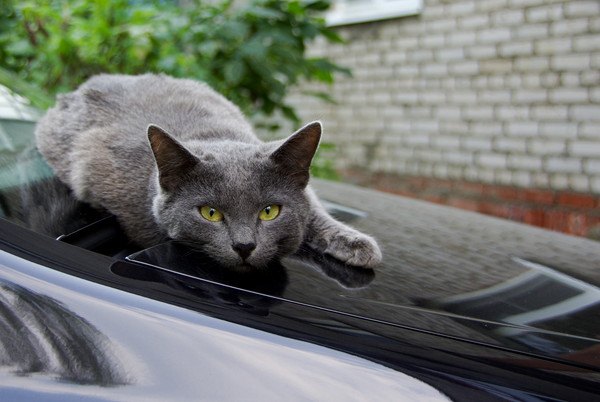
point(296, 153)
point(172, 159)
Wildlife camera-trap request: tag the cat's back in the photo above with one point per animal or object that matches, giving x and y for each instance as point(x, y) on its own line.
point(115, 111)
point(187, 108)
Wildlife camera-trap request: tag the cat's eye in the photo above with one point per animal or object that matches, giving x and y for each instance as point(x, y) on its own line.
point(211, 214)
point(269, 212)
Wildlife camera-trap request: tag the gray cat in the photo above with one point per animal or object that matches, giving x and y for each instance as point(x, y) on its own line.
point(172, 158)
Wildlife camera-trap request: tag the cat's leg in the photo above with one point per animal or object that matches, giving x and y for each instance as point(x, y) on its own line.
point(329, 236)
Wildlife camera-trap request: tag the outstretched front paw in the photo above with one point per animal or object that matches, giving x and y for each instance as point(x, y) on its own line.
point(355, 249)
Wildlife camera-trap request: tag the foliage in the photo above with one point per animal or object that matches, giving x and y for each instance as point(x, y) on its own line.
point(250, 51)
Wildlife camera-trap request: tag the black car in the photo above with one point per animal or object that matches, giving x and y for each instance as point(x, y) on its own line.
point(464, 307)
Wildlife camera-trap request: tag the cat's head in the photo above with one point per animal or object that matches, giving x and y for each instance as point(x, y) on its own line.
point(243, 204)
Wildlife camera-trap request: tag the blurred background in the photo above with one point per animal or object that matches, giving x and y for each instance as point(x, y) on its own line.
point(487, 105)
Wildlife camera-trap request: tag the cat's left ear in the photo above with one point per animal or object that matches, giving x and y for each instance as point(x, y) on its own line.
point(172, 159)
point(297, 152)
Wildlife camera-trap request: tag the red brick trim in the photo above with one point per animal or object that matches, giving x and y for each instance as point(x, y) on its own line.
point(564, 211)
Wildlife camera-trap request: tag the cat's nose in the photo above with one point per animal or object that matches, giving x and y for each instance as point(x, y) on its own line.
point(243, 249)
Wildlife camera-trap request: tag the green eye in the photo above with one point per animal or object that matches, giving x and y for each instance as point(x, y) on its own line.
point(269, 213)
point(211, 214)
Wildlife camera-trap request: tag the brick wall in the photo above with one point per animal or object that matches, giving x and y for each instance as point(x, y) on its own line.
point(494, 91)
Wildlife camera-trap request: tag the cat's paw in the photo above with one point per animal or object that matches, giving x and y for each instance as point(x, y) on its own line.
point(355, 249)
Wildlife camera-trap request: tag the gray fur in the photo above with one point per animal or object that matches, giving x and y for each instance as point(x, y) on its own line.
point(202, 151)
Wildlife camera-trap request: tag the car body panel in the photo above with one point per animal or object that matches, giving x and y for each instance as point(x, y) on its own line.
point(477, 307)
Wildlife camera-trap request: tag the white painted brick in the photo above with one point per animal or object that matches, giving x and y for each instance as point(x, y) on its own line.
point(454, 127)
point(405, 70)
point(432, 97)
point(477, 143)
point(559, 181)
point(461, 38)
point(440, 171)
point(512, 112)
point(595, 95)
point(425, 126)
point(415, 112)
point(592, 166)
point(428, 155)
point(487, 128)
point(570, 79)
point(531, 31)
point(589, 130)
point(490, 5)
point(568, 95)
point(585, 112)
point(563, 165)
point(526, 162)
point(461, 97)
point(448, 113)
point(533, 81)
point(560, 129)
point(495, 66)
point(581, 8)
point(590, 78)
point(406, 43)
point(440, 25)
point(552, 12)
point(572, 62)
point(433, 40)
point(521, 179)
point(493, 35)
point(446, 142)
point(530, 96)
point(465, 68)
point(435, 70)
point(510, 144)
point(526, 3)
point(550, 112)
point(547, 147)
point(458, 157)
point(478, 113)
point(569, 27)
point(492, 160)
point(473, 21)
point(540, 179)
point(446, 54)
point(509, 49)
point(460, 8)
point(417, 139)
point(486, 175)
point(482, 51)
point(395, 57)
point(508, 17)
point(595, 24)
point(595, 185)
point(586, 43)
point(503, 177)
point(553, 46)
point(585, 148)
point(522, 128)
point(495, 96)
point(528, 64)
point(579, 183)
point(549, 80)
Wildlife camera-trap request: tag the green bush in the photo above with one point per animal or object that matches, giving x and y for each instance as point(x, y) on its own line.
point(250, 51)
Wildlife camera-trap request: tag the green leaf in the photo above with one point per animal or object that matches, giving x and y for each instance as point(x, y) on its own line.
point(234, 72)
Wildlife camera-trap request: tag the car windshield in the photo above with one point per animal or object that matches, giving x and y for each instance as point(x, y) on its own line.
point(30, 195)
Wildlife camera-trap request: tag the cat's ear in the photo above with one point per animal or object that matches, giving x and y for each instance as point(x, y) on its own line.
point(172, 159)
point(296, 153)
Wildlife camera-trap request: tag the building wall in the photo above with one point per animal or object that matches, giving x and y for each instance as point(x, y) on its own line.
point(494, 91)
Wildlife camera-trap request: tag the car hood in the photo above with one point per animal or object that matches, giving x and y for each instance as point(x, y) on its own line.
point(457, 274)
